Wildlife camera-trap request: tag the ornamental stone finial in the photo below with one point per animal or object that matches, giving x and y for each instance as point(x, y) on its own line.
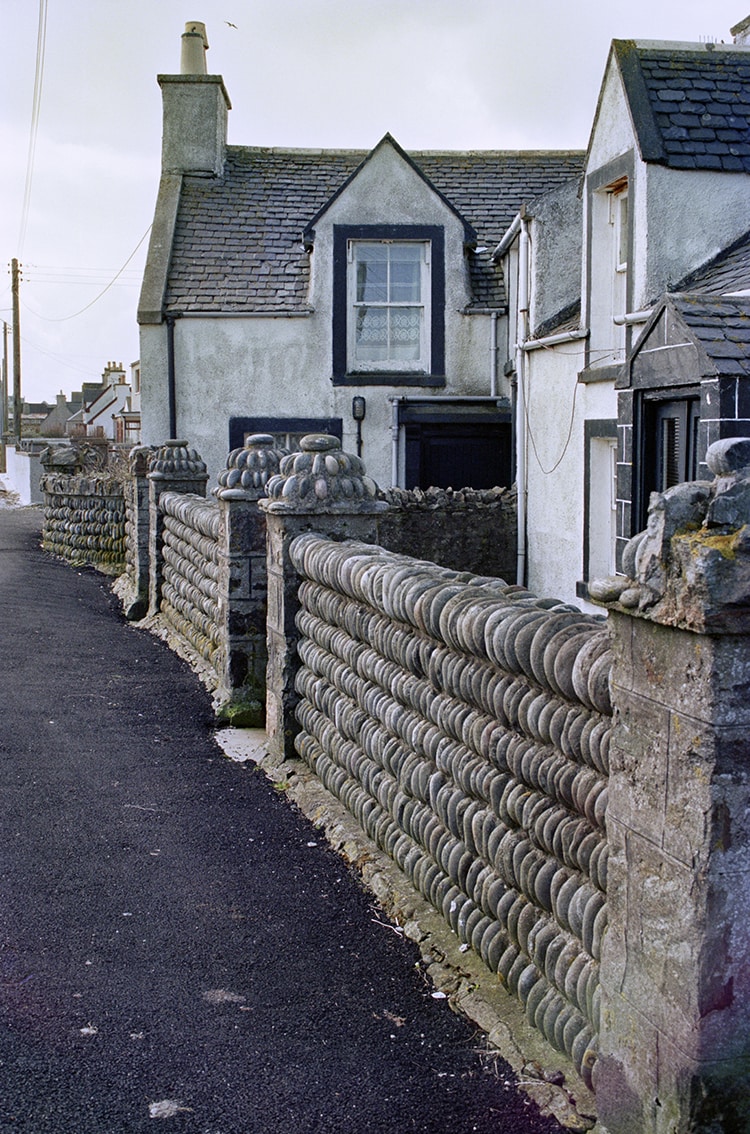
point(691, 566)
point(175, 460)
point(249, 469)
point(321, 477)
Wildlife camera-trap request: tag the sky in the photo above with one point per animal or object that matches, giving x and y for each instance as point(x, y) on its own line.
point(437, 74)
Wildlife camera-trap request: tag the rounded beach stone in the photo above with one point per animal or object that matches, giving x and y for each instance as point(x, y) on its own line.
point(729, 455)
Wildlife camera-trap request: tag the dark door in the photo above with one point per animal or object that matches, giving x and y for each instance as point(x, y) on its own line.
point(458, 455)
point(670, 445)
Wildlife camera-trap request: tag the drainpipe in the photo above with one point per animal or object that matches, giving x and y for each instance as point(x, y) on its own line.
point(395, 402)
point(493, 354)
point(521, 331)
point(171, 379)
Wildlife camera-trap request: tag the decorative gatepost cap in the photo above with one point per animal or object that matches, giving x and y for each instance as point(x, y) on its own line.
point(321, 477)
point(175, 460)
point(691, 566)
point(139, 459)
point(249, 469)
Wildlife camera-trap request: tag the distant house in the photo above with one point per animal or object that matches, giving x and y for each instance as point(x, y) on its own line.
point(127, 420)
point(295, 290)
point(631, 363)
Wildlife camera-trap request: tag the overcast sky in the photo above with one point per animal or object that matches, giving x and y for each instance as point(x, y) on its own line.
point(437, 74)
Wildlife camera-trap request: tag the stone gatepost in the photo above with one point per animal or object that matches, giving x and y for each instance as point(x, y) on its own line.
point(675, 967)
point(324, 490)
point(242, 607)
point(174, 467)
point(132, 587)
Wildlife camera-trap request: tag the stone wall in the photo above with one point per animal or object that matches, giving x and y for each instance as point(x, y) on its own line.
point(190, 571)
point(467, 529)
point(465, 724)
point(84, 519)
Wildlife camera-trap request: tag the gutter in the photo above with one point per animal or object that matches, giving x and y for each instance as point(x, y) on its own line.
point(633, 317)
point(554, 340)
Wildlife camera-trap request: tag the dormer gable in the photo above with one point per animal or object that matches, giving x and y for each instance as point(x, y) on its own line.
point(381, 167)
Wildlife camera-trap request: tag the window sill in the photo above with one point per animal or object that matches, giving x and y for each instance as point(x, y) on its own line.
point(389, 378)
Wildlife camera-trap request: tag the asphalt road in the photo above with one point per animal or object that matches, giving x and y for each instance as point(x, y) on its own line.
point(178, 946)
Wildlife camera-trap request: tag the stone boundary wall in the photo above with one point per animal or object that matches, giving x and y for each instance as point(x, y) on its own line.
point(190, 571)
point(466, 725)
point(84, 519)
point(466, 529)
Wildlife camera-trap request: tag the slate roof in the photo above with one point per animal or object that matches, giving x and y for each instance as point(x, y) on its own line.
point(690, 105)
point(727, 273)
point(722, 327)
point(238, 239)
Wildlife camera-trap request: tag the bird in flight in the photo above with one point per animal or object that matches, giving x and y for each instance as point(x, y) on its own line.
point(231, 25)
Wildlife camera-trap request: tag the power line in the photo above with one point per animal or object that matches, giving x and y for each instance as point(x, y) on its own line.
point(65, 318)
point(41, 41)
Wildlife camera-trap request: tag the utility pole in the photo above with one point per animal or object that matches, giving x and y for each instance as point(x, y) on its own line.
point(4, 395)
point(16, 355)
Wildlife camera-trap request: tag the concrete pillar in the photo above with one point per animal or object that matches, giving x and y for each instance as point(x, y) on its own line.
point(133, 589)
point(242, 606)
point(675, 967)
point(174, 467)
point(323, 490)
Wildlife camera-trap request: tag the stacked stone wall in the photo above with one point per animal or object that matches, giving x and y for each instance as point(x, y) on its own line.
point(466, 529)
point(84, 519)
point(190, 570)
point(466, 725)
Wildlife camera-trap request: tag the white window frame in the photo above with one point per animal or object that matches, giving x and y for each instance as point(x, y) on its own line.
point(618, 218)
point(420, 365)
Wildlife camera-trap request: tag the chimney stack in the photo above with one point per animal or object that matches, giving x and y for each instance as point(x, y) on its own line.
point(196, 107)
point(194, 48)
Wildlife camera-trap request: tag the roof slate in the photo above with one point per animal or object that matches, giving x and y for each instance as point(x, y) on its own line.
point(238, 239)
point(690, 107)
point(722, 327)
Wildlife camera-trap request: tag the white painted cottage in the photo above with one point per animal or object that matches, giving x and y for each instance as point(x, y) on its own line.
point(639, 356)
point(295, 290)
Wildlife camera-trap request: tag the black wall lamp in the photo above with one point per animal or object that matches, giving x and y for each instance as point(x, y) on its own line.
point(359, 409)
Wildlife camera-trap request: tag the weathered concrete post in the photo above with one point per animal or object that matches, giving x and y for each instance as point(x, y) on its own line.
point(324, 490)
point(173, 468)
point(242, 606)
point(132, 586)
point(675, 968)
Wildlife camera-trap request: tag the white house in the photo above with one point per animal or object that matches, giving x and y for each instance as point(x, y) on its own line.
point(647, 359)
point(295, 290)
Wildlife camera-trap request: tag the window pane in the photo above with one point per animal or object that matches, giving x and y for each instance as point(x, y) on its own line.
point(406, 270)
point(405, 324)
point(372, 274)
point(622, 250)
point(371, 334)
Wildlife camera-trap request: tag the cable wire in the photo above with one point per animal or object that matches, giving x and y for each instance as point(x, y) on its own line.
point(41, 42)
point(64, 318)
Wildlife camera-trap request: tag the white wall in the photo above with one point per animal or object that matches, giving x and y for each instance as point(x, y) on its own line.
point(558, 405)
point(24, 471)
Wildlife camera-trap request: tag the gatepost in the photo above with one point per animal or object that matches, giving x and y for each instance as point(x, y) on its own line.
point(242, 581)
point(324, 490)
point(675, 968)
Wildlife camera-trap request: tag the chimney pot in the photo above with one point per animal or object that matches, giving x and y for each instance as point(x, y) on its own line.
point(194, 48)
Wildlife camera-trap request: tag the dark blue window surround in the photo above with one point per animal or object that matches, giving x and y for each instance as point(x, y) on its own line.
point(342, 234)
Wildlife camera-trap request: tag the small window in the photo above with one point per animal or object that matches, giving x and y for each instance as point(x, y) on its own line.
point(389, 291)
